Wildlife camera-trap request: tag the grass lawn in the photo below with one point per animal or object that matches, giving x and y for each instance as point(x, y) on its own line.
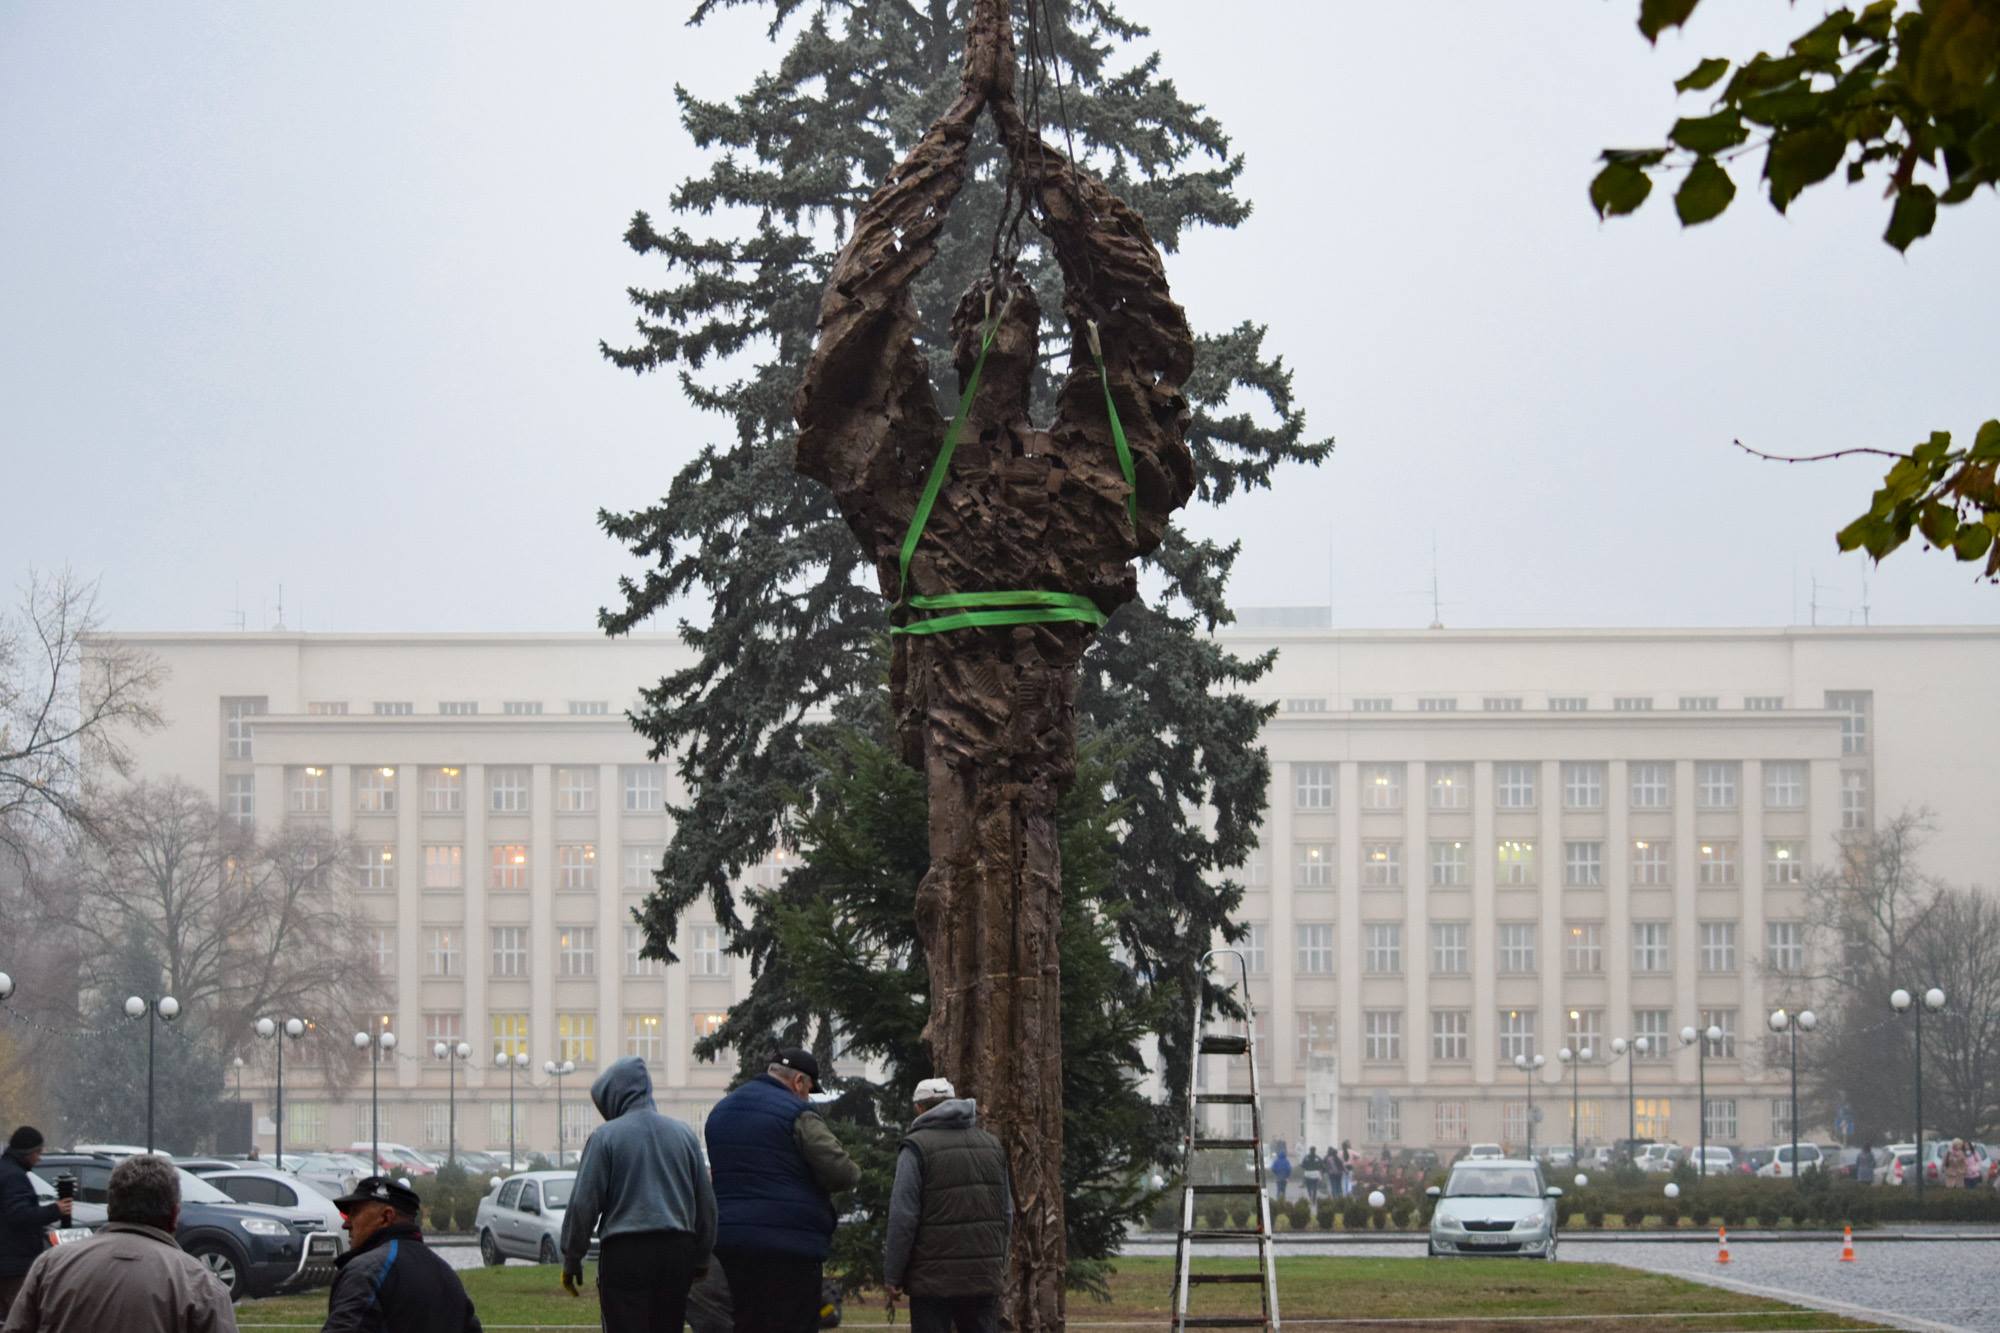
point(1444, 1294)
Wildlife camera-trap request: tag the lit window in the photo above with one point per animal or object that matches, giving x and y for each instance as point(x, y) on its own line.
point(707, 1025)
point(1517, 948)
point(576, 867)
point(309, 790)
point(509, 1033)
point(1654, 1116)
point(1312, 786)
point(1650, 941)
point(1652, 785)
point(1585, 1032)
point(1514, 786)
point(576, 791)
point(507, 790)
point(1381, 865)
point(444, 866)
point(1384, 952)
point(1715, 866)
point(1715, 784)
point(1451, 1036)
point(1450, 786)
point(444, 790)
point(1583, 948)
point(1583, 786)
point(642, 1037)
point(1450, 865)
point(1517, 1034)
point(1515, 861)
point(576, 951)
point(1450, 954)
point(1383, 1034)
point(1583, 864)
point(1784, 785)
point(375, 866)
point(1315, 950)
point(375, 791)
point(1652, 863)
point(1312, 865)
point(1718, 946)
point(1381, 786)
point(1784, 861)
point(576, 1038)
point(507, 866)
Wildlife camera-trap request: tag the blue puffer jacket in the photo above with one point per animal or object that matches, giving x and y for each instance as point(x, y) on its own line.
point(765, 1194)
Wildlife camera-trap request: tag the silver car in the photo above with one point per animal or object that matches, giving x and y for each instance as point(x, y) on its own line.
point(1495, 1206)
point(522, 1218)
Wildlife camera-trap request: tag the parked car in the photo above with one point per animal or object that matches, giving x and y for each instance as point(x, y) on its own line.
point(1780, 1166)
point(1495, 1206)
point(397, 1159)
point(1661, 1158)
point(252, 1250)
point(1894, 1163)
point(279, 1189)
point(522, 1218)
point(1629, 1150)
point(1480, 1152)
point(1558, 1155)
point(331, 1173)
point(1719, 1162)
point(481, 1163)
point(1600, 1158)
point(1934, 1151)
point(1751, 1160)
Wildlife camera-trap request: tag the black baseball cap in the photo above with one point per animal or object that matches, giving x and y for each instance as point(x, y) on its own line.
point(801, 1060)
point(380, 1189)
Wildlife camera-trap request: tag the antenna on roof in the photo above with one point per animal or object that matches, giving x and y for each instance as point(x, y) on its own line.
point(236, 612)
point(1864, 594)
point(281, 608)
point(1437, 613)
point(1815, 597)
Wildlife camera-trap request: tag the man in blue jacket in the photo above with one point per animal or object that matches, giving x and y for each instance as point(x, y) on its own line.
point(643, 1188)
point(777, 1167)
point(24, 1219)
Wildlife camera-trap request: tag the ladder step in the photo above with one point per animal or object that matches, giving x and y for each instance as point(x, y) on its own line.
point(1222, 1044)
point(1226, 1098)
point(1218, 1233)
point(1220, 1145)
point(1225, 1321)
point(1251, 1188)
point(1225, 1277)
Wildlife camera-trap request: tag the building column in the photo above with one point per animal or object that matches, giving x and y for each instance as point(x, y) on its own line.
point(1347, 938)
point(1750, 1016)
point(610, 919)
point(408, 1022)
point(1549, 876)
point(1616, 935)
point(1686, 963)
point(1416, 929)
point(541, 919)
point(478, 944)
point(1280, 950)
point(1485, 1034)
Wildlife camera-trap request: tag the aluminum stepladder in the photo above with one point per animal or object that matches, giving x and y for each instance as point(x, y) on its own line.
point(1242, 1044)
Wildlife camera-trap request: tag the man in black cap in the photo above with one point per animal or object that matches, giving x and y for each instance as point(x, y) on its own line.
point(389, 1281)
point(777, 1167)
point(24, 1219)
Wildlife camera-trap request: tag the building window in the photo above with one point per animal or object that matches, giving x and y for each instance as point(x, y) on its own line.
point(458, 708)
point(1312, 865)
point(1315, 950)
point(1450, 953)
point(239, 799)
point(308, 791)
point(394, 708)
point(507, 790)
point(1251, 946)
point(1568, 703)
point(441, 953)
point(1583, 948)
point(507, 866)
point(1715, 865)
point(576, 867)
point(1654, 1117)
point(708, 1024)
point(576, 791)
point(1314, 1031)
point(1450, 868)
point(444, 791)
point(1517, 1034)
point(1381, 865)
point(1853, 801)
point(637, 965)
point(1385, 1120)
point(638, 865)
point(1384, 953)
point(1718, 946)
point(1724, 1047)
point(1450, 786)
point(521, 707)
point(1305, 705)
point(576, 951)
point(1513, 1122)
point(589, 707)
point(1853, 708)
point(1715, 783)
point(1449, 1122)
point(1451, 1036)
point(1583, 786)
point(1785, 946)
point(443, 1027)
point(444, 866)
point(382, 946)
point(1517, 947)
point(576, 1038)
point(375, 866)
point(239, 726)
point(375, 791)
point(1632, 703)
point(1781, 1118)
point(1583, 864)
point(707, 954)
point(1784, 861)
point(1722, 1118)
point(1375, 705)
point(1257, 868)
point(1381, 786)
point(1652, 785)
point(1652, 1025)
point(1650, 951)
point(509, 1033)
point(1506, 703)
point(645, 789)
point(1652, 863)
point(510, 951)
point(1514, 786)
point(1764, 703)
point(305, 1123)
point(1699, 703)
point(1437, 705)
point(1585, 1032)
point(327, 708)
point(1784, 785)
point(642, 1037)
point(1515, 862)
point(1382, 1035)
point(1312, 786)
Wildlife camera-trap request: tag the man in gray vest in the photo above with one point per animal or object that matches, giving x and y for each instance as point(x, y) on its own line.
point(951, 1217)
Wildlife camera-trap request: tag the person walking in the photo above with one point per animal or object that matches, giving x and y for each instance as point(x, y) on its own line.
point(132, 1276)
point(389, 1281)
point(24, 1219)
point(1336, 1174)
point(1310, 1169)
point(1954, 1165)
point(1348, 1161)
point(951, 1217)
point(1281, 1171)
point(643, 1188)
point(777, 1167)
point(1864, 1166)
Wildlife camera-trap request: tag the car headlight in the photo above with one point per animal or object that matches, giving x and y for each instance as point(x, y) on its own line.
point(1531, 1224)
point(1449, 1223)
point(263, 1226)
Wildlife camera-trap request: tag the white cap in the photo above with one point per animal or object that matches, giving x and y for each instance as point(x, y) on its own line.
point(934, 1090)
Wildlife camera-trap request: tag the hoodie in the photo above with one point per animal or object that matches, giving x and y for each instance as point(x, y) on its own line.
point(641, 1171)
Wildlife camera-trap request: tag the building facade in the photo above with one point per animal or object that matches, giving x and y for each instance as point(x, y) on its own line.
point(1480, 844)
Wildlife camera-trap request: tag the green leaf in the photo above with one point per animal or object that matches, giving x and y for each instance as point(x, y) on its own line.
point(1656, 16)
point(1986, 444)
point(1703, 75)
point(1801, 158)
point(1709, 134)
point(1619, 189)
point(1788, 104)
point(1914, 215)
point(1635, 157)
point(1938, 523)
point(1973, 541)
point(1705, 193)
point(1822, 42)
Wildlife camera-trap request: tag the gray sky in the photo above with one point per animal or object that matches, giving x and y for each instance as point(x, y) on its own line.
point(310, 295)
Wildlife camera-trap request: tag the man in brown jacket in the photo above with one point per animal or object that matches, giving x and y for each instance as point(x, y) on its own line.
point(132, 1276)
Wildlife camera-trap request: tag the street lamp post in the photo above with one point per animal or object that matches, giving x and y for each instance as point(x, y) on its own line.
point(167, 1008)
point(556, 1069)
point(1709, 1037)
point(1803, 1021)
point(1899, 1000)
point(293, 1028)
point(1575, 1059)
point(378, 1045)
point(1528, 1066)
point(510, 1064)
point(1631, 1050)
point(451, 1055)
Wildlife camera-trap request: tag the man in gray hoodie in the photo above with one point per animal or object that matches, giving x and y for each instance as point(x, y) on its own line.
point(951, 1217)
point(643, 1187)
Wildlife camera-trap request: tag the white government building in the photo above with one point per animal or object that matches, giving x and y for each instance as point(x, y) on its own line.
point(1481, 843)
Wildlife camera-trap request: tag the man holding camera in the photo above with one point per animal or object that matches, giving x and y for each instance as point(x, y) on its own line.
point(24, 1220)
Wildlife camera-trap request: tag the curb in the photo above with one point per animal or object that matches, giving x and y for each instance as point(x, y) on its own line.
point(1586, 1235)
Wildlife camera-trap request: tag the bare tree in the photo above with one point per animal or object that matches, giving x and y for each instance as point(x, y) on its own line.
point(69, 703)
point(1957, 948)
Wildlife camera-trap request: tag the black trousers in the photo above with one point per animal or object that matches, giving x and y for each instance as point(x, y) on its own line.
point(954, 1314)
point(770, 1292)
point(643, 1281)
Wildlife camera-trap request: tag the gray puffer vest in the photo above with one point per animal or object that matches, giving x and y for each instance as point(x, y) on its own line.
point(963, 1229)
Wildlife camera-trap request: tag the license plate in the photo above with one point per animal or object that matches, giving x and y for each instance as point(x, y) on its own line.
point(322, 1247)
point(1477, 1241)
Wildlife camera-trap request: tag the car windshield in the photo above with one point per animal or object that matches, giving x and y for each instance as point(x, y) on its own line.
point(196, 1190)
point(555, 1193)
point(1488, 1182)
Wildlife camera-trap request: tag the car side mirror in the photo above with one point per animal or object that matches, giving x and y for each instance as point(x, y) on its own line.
point(1435, 1192)
point(1554, 1191)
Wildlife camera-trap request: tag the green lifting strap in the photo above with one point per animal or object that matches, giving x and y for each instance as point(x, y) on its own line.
point(1117, 433)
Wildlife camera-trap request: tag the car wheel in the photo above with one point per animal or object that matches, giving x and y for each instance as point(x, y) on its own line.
point(1430, 1250)
point(1551, 1255)
point(223, 1262)
point(489, 1250)
point(548, 1253)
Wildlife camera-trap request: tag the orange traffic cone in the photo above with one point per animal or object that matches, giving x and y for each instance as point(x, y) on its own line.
point(1722, 1245)
point(1847, 1245)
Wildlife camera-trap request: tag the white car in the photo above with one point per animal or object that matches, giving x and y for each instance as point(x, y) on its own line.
point(276, 1189)
point(1780, 1166)
point(1719, 1162)
point(1495, 1206)
point(521, 1217)
point(398, 1159)
point(1484, 1152)
point(1660, 1158)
